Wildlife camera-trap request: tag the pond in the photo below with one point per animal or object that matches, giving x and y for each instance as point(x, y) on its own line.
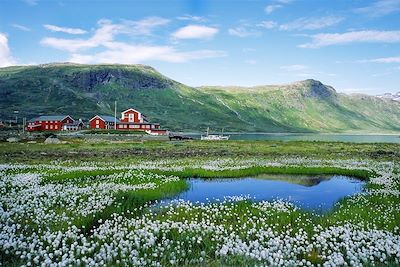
point(315, 193)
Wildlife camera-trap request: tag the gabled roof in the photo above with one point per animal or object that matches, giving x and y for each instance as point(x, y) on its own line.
point(75, 123)
point(105, 118)
point(132, 110)
point(50, 118)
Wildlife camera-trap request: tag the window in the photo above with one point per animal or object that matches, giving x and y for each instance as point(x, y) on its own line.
point(56, 127)
point(47, 127)
point(131, 117)
point(131, 126)
point(51, 127)
point(97, 121)
point(97, 126)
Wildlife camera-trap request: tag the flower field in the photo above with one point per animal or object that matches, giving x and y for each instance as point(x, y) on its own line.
point(98, 213)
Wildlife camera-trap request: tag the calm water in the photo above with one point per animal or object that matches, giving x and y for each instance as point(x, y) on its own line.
point(313, 193)
point(314, 137)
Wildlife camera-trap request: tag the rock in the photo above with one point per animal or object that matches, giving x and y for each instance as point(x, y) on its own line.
point(52, 140)
point(12, 139)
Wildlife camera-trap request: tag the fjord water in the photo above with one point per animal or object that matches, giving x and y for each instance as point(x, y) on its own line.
point(315, 193)
point(353, 138)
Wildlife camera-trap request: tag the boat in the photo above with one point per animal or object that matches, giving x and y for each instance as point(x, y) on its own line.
point(214, 137)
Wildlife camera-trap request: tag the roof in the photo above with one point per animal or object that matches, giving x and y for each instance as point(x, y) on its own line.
point(106, 118)
point(132, 110)
point(50, 118)
point(74, 123)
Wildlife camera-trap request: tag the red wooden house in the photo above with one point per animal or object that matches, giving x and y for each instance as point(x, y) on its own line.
point(103, 122)
point(131, 120)
point(49, 123)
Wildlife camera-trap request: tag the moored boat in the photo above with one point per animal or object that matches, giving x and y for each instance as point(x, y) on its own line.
point(214, 137)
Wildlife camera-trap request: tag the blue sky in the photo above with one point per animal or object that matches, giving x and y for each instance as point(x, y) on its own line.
point(351, 45)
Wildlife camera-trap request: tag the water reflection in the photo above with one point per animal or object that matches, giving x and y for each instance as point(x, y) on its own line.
point(317, 193)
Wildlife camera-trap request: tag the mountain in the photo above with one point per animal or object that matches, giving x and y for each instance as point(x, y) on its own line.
point(86, 90)
point(394, 97)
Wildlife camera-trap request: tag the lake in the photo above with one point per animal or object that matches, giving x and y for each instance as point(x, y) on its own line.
point(356, 138)
point(316, 193)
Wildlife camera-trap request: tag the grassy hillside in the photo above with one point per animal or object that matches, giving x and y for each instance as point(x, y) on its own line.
point(310, 105)
point(86, 90)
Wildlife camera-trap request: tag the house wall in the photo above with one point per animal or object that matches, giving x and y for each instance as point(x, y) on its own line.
point(49, 125)
point(97, 123)
point(135, 116)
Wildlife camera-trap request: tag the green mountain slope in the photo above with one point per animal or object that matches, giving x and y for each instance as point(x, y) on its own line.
point(86, 90)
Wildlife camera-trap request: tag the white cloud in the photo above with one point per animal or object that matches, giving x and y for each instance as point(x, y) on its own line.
point(112, 51)
point(328, 39)
point(144, 26)
point(106, 33)
point(276, 4)
point(21, 27)
point(54, 28)
point(243, 31)
point(380, 8)
point(311, 23)
point(125, 53)
point(271, 8)
point(294, 67)
point(195, 32)
point(192, 18)
point(383, 60)
point(5, 53)
point(267, 24)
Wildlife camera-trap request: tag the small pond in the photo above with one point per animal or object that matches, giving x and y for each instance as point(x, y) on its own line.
point(315, 193)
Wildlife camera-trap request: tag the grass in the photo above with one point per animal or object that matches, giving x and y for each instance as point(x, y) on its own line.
point(123, 152)
point(370, 211)
point(254, 171)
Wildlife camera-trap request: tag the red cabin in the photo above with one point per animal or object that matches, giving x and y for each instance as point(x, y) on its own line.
point(103, 122)
point(131, 120)
point(132, 116)
point(49, 123)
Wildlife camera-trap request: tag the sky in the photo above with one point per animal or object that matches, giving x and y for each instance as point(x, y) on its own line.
point(352, 45)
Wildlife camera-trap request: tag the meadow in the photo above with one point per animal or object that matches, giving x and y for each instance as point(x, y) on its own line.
point(95, 203)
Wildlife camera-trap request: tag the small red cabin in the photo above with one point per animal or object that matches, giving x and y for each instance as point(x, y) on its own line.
point(49, 123)
point(103, 122)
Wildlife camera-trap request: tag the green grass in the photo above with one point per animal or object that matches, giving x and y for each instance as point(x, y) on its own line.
point(370, 211)
point(125, 152)
point(254, 171)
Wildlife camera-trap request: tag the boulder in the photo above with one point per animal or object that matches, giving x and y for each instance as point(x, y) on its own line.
point(52, 140)
point(12, 139)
